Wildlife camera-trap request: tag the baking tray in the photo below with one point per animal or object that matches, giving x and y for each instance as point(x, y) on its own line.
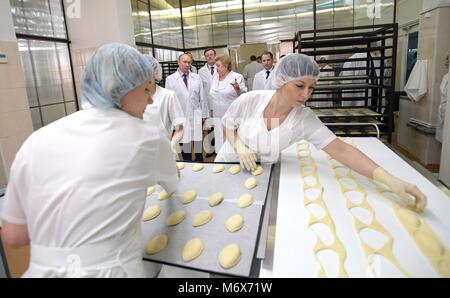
point(214, 234)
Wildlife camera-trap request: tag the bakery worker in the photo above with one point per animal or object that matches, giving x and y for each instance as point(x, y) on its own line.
point(188, 87)
point(260, 124)
point(77, 186)
point(443, 103)
point(165, 111)
point(263, 77)
point(250, 70)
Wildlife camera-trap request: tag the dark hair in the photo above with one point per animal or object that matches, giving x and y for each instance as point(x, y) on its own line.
point(253, 58)
point(209, 49)
point(267, 53)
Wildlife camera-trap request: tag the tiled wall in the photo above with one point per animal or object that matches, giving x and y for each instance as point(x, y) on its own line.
point(15, 118)
point(79, 59)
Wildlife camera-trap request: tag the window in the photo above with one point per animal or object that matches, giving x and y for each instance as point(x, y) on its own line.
point(411, 58)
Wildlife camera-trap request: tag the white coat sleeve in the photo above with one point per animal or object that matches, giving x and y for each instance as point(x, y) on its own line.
point(18, 186)
point(166, 167)
point(314, 131)
point(204, 102)
point(241, 82)
point(175, 111)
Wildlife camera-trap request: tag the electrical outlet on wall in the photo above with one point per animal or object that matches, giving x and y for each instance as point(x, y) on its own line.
point(3, 58)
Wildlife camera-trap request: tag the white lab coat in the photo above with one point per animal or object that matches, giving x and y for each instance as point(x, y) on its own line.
point(165, 111)
point(317, 104)
point(362, 72)
point(205, 74)
point(79, 184)
point(260, 82)
point(250, 70)
point(223, 93)
point(246, 116)
point(416, 87)
point(442, 106)
point(193, 101)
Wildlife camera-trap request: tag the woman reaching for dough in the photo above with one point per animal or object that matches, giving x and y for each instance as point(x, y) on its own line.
point(260, 124)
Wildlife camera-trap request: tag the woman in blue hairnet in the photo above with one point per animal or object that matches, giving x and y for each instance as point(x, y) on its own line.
point(78, 186)
point(260, 124)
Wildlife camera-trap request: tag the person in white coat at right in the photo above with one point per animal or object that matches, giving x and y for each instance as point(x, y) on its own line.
point(262, 78)
point(188, 87)
point(259, 125)
point(77, 186)
point(250, 70)
point(443, 104)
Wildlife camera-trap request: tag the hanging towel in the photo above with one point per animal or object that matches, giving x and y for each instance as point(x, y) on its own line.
point(416, 87)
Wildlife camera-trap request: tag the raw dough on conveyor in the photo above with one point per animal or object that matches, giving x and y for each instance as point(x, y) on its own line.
point(218, 169)
point(198, 167)
point(258, 171)
point(245, 200)
point(230, 256)
point(235, 169)
point(202, 218)
point(157, 244)
point(180, 165)
point(189, 196)
point(192, 249)
point(164, 195)
point(235, 223)
point(215, 199)
point(150, 190)
point(175, 218)
point(151, 213)
point(251, 183)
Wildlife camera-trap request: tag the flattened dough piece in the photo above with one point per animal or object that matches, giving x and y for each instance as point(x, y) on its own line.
point(198, 167)
point(164, 195)
point(150, 190)
point(235, 223)
point(202, 218)
point(230, 256)
point(235, 169)
point(215, 199)
point(157, 244)
point(245, 200)
point(180, 165)
point(251, 183)
point(189, 196)
point(192, 249)
point(218, 169)
point(175, 218)
point(259, 170)
point(151, 213)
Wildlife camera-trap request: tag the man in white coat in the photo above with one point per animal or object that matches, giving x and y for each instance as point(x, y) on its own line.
point(443, 104)
point(262, 78)
point(188, 87)
point(250, 70)
point(207, 73)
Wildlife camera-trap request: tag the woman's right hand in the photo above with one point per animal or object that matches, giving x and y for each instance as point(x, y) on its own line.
point(247, 157)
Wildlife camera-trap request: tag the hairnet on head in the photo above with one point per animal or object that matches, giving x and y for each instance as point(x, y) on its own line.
point(156, 67)
point(113, 71)
point(292, 67)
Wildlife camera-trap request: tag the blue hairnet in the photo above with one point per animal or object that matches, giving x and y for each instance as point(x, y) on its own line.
point(293, 66)
point(113, 71)
point(156, 67)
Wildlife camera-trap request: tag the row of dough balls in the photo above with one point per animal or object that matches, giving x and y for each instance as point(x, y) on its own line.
point(233, 224)
point(214, 200)
point(220, 168)
point(229, 256)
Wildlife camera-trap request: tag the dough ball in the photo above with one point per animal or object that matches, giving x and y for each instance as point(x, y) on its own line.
point(198, 167)
point(189, 196)
point(175, 218)
point(151, 213)
point(202, 218)
point(245, 201)
point(192, 249)
point(235, 169)
point(150, 190)
point(164, 195)
point(259, 170)
point(229, 256)
point(235, 223)
point(251, 183)
point(157, 244)
point(218, 169)
point(180, 165)
point(215, 199)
